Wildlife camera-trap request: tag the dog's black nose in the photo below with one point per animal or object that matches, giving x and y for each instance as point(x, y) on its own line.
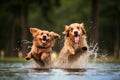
point(76, 33)
point(44, 37)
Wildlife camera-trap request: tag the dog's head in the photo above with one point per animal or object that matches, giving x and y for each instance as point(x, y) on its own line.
point(74, 31)
point(43, 38)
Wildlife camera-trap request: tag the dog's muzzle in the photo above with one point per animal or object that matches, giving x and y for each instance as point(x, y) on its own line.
point(76, 37)
point(44, 39)
point(75, 33)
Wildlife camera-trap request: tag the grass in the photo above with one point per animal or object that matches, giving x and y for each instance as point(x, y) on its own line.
point(106, 59)
point(12, 59)
point(16, 59)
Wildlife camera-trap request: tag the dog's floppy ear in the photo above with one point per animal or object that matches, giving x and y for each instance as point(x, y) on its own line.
point(66, 31)
point(83, 29)
point(55, 35)
point(34, 31)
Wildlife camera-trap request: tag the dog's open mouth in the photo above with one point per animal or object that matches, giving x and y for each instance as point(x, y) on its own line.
point(44, 39)
point(76, 39)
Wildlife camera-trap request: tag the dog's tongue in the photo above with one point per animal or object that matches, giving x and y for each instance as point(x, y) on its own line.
point(77, 39)
point(44, 41)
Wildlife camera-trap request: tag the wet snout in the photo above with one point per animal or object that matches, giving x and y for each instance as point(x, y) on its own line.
point(76, 33)
point(44, 37)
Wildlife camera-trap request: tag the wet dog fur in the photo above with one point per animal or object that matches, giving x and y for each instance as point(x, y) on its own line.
point(75, 46)
point(43, 42)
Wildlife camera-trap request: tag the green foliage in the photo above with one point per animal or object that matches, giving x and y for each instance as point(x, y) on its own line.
point(107, 24)
point(12, 59)
point(53, 15)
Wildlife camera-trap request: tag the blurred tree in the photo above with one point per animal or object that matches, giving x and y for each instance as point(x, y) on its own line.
point(13, 10)
point(94, 25)
point(19, 10)
point(117, 25)
point(109, 30)
point(46, 8)
point(24, 23)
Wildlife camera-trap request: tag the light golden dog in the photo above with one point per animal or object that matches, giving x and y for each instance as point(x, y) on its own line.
point(43, 42)
point(75, 46)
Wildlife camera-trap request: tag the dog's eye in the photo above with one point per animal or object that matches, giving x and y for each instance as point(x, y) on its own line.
point(41, 33)
point(47, 34)
point(77, 27)
point(71, 29)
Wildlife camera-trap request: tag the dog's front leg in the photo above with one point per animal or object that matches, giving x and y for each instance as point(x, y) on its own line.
point(63, 58)
point(83, 44)
point(29, 56)
point(71, 50)
point(44, 56)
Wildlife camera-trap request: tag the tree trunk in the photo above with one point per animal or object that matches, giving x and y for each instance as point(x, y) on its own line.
point(117, 42)
point(94, 25)
point(24, 17)
point(12, 43)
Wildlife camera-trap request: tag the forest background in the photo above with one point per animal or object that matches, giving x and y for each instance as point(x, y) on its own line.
point(100, 17)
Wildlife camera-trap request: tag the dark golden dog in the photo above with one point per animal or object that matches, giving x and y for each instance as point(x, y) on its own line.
point(75, 46)
point(43, 42)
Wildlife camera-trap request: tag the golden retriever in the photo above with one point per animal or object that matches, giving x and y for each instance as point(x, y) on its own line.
point(43, 42)
point(74, 51)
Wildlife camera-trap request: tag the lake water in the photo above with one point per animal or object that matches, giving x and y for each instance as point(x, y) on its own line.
point(25, 71)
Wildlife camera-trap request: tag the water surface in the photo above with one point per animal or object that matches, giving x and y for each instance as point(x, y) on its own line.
point(25, 71)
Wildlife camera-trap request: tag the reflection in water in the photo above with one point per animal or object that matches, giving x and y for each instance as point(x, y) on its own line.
point(24, 71)
point(74, 70)
point(41, 70)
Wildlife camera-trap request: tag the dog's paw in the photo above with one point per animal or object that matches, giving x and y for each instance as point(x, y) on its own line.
point(84, 48)
point(27, 58)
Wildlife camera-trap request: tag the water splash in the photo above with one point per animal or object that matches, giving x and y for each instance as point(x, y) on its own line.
point(83, 61)
point(22, 42)
point(28, 43)
point(93, 50)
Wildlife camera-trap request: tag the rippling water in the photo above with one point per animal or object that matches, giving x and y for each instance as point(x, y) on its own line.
point(25, 71)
